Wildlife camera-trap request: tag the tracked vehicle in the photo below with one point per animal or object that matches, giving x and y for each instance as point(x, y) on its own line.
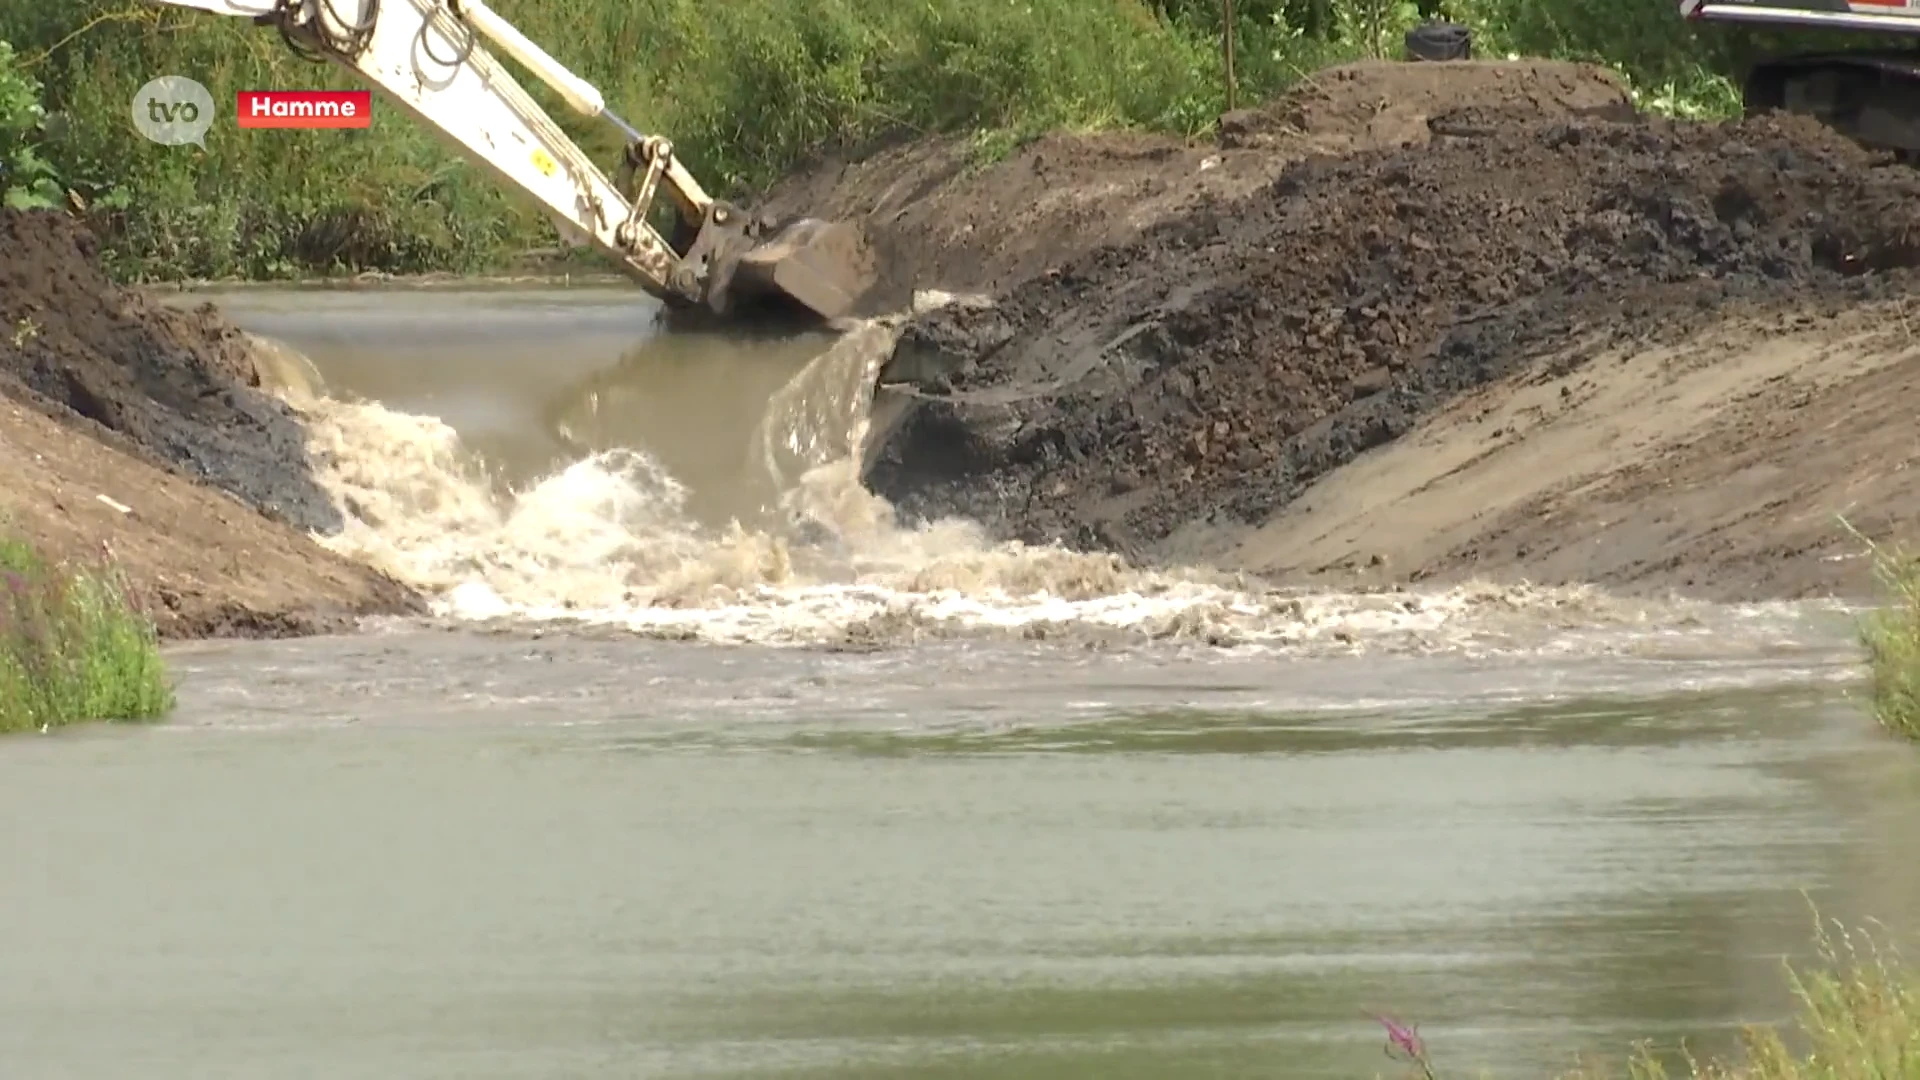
point(434, 59)
point(1870, 95)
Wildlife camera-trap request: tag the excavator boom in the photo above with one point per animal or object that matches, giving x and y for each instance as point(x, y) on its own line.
point(1872, 96)
point(431, 58)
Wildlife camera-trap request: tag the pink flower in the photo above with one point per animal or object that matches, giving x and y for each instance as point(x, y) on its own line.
point(1403, 1038)
point(1407, 1042)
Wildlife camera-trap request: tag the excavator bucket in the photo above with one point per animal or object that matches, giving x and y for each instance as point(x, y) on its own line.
point(719, 258)
point(824, 267)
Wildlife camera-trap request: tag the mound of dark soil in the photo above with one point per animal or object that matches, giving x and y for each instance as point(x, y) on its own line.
point(941, 217)
point(175, 388)
point(1198, 377)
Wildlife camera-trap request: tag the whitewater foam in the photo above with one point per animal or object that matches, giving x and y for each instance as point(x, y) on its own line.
point(607, 541)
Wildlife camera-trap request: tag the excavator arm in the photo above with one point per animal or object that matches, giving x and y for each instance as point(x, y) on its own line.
point(1873, 16)
point(1870, 95)
point(431, 58)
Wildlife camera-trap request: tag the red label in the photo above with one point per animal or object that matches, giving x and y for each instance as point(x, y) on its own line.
point(305, 108)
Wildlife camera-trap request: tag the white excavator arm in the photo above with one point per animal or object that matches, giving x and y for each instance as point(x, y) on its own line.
point(430, 57)
point(1874, 16)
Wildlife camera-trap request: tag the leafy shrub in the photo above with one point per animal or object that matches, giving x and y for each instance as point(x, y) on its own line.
point(27, 180)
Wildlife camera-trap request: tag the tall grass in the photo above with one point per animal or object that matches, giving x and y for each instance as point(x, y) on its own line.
point(1858, 1018)
point(74, 645)
point(747, 89)
point(1891, 635)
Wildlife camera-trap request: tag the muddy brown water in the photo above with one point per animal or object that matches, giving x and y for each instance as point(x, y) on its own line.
point(426, 852)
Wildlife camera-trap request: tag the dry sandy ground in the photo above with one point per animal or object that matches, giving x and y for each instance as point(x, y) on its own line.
point(205, 563)
point(1718, 468)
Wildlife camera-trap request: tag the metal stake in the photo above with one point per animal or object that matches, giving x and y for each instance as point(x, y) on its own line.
point(1227, 15)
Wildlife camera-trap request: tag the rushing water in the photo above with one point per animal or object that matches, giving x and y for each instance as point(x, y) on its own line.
point(1198, 828)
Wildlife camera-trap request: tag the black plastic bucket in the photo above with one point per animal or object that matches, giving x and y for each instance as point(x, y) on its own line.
point(1438, 41)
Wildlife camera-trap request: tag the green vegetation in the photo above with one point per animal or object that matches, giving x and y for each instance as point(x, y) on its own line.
point(1858, 1018)
point(747, 90)
point(26, 179)
point(74, 645)
point(1891, 634)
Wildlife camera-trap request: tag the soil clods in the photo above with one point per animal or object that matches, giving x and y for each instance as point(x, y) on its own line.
point(133, 430)
point(1162, 393)
point(177, 388)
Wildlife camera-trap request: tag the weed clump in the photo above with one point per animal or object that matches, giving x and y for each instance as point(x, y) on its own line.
point(1891, 636)
point(74, 645)
point(1857, 1018)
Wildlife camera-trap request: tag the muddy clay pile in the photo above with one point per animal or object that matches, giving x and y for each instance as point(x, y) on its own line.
point(1214, 329)
point(143, 428)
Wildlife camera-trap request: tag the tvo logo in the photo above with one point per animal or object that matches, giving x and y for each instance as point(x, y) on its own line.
point(173, 110)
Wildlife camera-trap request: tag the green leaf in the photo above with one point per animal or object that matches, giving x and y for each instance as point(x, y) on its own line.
point(23, 199)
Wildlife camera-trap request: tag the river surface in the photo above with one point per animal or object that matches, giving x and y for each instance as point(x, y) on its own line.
point(945, 845)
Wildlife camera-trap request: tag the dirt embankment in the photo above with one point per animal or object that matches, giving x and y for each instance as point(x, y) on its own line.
point(1187, 340)
point(143, 428)
point(944, 219)
point(1720, 465)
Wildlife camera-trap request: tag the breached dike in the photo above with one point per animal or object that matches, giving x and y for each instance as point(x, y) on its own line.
point(1168, 356)
point(606, 544)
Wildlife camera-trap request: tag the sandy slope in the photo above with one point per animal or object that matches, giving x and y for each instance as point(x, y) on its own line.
point(1719, 467)
point(104, 392)
point(205, 563)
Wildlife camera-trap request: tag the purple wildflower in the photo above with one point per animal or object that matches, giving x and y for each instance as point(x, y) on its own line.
point(1404, 1044)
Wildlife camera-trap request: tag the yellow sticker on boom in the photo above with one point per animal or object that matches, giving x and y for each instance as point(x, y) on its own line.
point(544, 162)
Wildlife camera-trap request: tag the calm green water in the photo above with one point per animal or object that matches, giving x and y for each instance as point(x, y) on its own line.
point(444, 855)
